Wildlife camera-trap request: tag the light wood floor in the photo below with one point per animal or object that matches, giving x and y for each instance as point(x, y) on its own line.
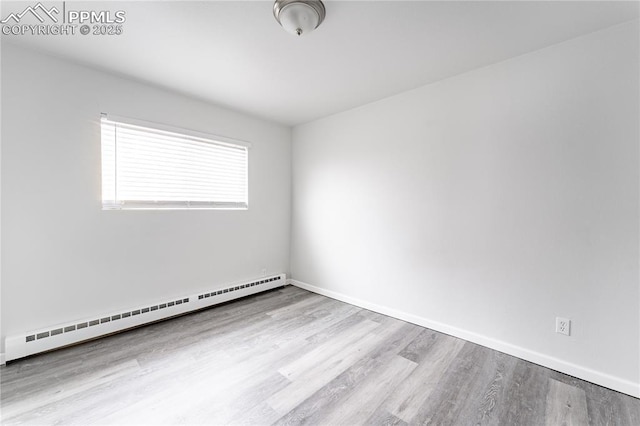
point(292, 357)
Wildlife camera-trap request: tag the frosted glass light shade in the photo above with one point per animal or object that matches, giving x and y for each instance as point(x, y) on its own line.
point(299, 17)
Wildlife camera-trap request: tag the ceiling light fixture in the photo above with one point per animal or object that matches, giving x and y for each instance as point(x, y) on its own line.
point(299, 16)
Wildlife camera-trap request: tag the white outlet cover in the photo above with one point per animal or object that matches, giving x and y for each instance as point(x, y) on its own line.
point(563, 326)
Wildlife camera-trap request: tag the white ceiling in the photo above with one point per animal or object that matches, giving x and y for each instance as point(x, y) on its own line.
point(234, 54)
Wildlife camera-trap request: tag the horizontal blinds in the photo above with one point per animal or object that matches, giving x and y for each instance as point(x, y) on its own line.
point(151, 168)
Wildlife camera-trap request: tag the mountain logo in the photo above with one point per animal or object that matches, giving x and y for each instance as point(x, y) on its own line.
point(38, 11)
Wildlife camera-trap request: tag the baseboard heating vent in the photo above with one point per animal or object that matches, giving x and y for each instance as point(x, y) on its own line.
point(236, 288)
point(97, 321)
point(36, 341)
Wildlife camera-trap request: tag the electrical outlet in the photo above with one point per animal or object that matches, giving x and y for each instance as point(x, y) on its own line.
point(264, 272)
point(563, 326)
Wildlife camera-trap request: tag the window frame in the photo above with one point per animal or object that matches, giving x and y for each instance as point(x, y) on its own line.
point(185, 134)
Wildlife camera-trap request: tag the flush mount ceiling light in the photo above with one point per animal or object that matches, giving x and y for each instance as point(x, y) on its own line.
point(299, 16)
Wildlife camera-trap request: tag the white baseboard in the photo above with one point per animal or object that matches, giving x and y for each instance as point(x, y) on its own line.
point(616, 383)
point(30, 342)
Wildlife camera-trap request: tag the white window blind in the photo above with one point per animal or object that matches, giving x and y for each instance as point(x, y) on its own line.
point(154, 168)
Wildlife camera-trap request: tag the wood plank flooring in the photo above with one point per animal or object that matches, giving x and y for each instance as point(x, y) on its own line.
point(290, 357)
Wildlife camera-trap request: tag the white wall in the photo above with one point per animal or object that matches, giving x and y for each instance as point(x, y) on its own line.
point(488, 204)
point(63, 258)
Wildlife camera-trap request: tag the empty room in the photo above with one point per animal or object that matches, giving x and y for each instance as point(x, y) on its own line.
point(320, 212)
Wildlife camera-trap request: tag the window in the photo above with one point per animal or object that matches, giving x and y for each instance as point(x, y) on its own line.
point(157, 167)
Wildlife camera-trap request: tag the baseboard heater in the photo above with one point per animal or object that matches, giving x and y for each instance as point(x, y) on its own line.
point(36, 341)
